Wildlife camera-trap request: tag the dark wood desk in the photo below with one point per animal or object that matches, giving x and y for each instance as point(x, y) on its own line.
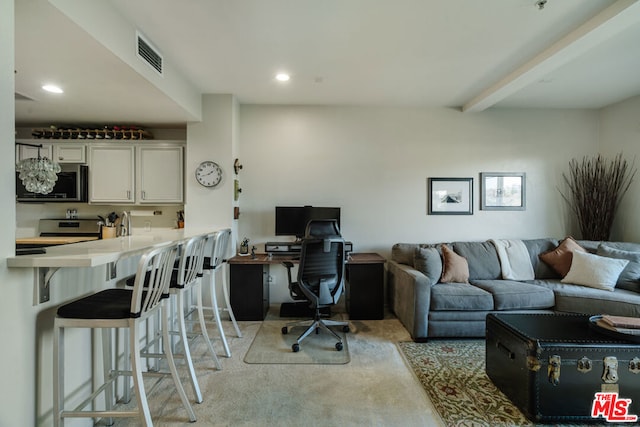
point(249, 285)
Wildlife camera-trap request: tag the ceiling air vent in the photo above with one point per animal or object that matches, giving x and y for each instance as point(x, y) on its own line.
point(149, 54)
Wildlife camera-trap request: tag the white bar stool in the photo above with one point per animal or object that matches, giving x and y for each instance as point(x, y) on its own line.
point(212, 265)
point(120, 308)
point(186, 280)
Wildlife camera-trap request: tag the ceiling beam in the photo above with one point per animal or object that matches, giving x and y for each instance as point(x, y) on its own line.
point(611, 21)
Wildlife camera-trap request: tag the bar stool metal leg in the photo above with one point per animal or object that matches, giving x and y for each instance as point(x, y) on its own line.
point(126, 384)
point(225, 290)
point(136, 368)
point(106, 369)
point(182, 330)
point(203, 326)
point(216, 313)
point(58, 376)
point(172, 364)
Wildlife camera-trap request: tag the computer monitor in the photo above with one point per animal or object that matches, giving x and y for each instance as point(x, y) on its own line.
point(292, 220)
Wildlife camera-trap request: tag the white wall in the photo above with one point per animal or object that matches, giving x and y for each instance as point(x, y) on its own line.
point(17, 317)
point(374, 164)
point(215, 138)
point(620, 133)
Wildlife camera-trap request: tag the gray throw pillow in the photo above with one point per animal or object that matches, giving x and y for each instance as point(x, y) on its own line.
point(428, 261)
point(630, 276)
point(482, 258)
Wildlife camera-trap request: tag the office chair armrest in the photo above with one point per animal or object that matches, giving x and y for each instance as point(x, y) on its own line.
point(289, 266)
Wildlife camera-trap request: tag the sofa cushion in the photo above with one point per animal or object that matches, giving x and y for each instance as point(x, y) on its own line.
point(402, 253)
point(460, 296)
point(535, 247)
point(594, 271)
point(581, 299)
point(631, 274)
point(592, 245)
point(429, 263)
point(482, 259)
point(623, 246)
point(455, 268)
point(514, 295)
point(560, 257)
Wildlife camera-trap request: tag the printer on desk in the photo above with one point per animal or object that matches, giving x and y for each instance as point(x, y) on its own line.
point(294, 248)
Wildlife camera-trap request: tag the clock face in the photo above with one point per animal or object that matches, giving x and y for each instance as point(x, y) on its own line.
point(209, 174)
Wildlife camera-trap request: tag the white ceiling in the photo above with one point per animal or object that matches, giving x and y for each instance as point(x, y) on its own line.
point(465, 54)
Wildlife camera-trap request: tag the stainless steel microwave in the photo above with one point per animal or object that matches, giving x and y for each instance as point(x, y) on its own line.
point(72, 186)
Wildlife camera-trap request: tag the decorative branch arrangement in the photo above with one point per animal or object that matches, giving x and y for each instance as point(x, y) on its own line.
point(596, 187)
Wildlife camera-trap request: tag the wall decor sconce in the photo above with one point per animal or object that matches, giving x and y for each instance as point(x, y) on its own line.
point(237, 166)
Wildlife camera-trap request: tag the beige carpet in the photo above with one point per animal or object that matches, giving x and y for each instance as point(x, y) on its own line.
point(272, 346)
point(376, 388)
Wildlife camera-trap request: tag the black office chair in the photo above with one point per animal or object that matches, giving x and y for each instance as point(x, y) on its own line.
point(320, 277)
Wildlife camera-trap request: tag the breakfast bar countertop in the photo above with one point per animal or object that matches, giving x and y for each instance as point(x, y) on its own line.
point(104, 251)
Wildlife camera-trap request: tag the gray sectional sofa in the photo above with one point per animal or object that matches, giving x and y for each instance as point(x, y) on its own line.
point(429, 308)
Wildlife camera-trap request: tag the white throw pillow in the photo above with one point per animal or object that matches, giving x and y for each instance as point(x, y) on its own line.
point(594, 271)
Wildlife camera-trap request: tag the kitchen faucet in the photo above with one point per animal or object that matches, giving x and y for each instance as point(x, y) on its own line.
point(125, 224)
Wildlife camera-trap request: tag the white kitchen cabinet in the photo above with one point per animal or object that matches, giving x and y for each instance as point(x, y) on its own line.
point(111, 174)
point(60, 153)
point(136, 174)
point(27, 152)
point(159, 173)
point(69, 153)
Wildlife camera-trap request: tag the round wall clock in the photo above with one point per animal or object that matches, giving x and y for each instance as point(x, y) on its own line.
point(208, 173)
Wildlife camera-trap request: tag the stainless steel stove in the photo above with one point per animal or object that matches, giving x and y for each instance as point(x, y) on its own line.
point(69, 228)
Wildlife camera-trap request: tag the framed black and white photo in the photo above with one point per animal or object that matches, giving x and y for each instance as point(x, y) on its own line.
point(450, 196)
point(504, 191)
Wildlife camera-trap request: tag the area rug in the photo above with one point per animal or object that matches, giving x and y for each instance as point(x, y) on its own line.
point(453, 374)
point(272, 346)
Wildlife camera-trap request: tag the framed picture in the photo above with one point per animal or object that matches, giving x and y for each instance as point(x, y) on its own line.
point(504, 191)
point(450, 196)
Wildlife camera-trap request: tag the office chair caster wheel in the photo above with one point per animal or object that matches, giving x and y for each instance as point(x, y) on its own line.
point(295, 347)
point(285, 331)
point(345, 328)
point(339, 346)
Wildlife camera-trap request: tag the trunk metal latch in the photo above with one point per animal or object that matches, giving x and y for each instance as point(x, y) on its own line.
point(610, 370)
point(584, 365)
point(553, 369)
point(634, 365)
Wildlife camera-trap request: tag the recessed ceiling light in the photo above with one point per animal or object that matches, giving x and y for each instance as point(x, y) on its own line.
point(282, 77)
point(52, 88)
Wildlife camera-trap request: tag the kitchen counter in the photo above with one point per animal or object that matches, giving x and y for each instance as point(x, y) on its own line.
point(99, 252)
point(94, 254)
point(53, 240)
